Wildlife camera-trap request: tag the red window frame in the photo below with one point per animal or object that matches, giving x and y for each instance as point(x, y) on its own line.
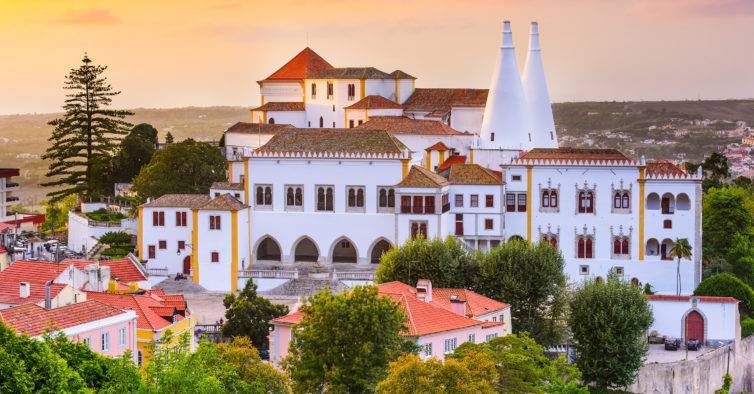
point(181, 245)
point(429, 204)
point(151, 251)
point(510, 202)
point(162, 244)
point(418, 204)
point(158, 218)
point(215, 257)
point(405, 204)
point(521, 202)
point(215, 222)
point(489, 224)
point(489, 201)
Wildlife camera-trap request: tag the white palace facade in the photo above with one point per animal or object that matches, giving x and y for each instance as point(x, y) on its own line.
point(339, 165)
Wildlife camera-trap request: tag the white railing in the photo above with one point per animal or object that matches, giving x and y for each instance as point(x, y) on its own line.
point(268, 274)
point(355, 275)
point(157, 271)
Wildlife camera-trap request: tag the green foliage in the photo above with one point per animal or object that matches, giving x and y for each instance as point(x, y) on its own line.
point(531, 280)
point(473, 373)
point(115, 237)
point(608, 321)
point(169, 138)
point(727, 381)
point(135, 152)
point(56, 212)
point(726, 212)
point(87, 132)
point(187, 167)
point(727, 285)
point(747, 327)
point(648, 289)
point(740, 258)
point(248, 315)
point(345, 341)
point(105, 215)
point(261, 376)
point(447, 263)
point(523, 367)
point(681, 250)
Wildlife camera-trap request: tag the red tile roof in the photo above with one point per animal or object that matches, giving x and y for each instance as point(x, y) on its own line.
point(439, 146)
point(374, 102)
point(566, 153)
point(440, 101)
point(122, 270)
point(36, 273)
point(455, 159)
point(686, 298)
point(406, 125)
point(281, 106)
point(301, 66)
point(256, 128)
point(3, 250)
point(663, 167)
point(476, 304)
point(334, 141)
point(290, 319)
point(143, 304)
point(471, 174)
point(33, 320)
point(419, 176)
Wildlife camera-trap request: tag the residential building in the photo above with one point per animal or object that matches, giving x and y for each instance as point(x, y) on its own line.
point(7, 187)
point(712, 320)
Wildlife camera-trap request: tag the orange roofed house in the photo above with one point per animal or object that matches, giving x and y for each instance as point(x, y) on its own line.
point(438, 320)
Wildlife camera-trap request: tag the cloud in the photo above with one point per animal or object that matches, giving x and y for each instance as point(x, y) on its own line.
point(96, 16)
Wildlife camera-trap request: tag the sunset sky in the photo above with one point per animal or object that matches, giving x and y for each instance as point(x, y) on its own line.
point(202, 53)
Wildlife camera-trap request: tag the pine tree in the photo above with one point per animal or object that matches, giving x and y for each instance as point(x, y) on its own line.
point(169, 138)
point(87, 132)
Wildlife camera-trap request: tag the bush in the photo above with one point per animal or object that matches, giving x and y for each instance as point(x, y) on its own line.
point(103, 215)
point(727, 285)
point(115, 237)
point(747, 327)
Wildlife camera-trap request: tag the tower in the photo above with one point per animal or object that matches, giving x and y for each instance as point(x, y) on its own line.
point(540, 120)
point(504, 125)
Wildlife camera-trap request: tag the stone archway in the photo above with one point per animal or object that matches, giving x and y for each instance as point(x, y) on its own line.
point(378, 249)
point(305, 250)
point(693, 326)
point(344, 251)
point(268, 249)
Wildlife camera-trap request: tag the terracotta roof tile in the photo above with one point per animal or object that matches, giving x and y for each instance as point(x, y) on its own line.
point(440, 101)
point(399, 74)
point(438, 146)
point(281, 106)
point(454, 159)
point(36, 273)
point(374, 102)
point(471, 174)
point(356, 141)
point(227, 186)
point(291, 318)
point(349, 73)
point(33, 320)
point(405, 125)
point(256, 128)
point(224, 202)
point(122, 270)
point(476, 304)
point(178, 201)
point(663, 167)
point(142, 304)
point(566, 153)
point(421, 177)
point(301, 66)
point(686, 298)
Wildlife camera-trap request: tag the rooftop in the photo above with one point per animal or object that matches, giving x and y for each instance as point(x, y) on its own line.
point(301, 66)
point(471, 174)
point(399, 74)
point(33, 320)
point(36, 273)
point(281, 106)
point(178, 201)
point(374, 102)
point(476, 304)
point(8, 172)
point(567, 153)
point(256, 128)
point(454, 159)
point(686, 298)
point(406, 125)
point(663, 167)
point(439, 146)
point(227, 186)
point(333, 141)
point(439, 101)
point(122, 270)
point(421, 177)
point(349, 73)
point(149, 307)
point(224, 202)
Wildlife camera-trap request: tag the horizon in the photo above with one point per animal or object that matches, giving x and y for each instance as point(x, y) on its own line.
point(197, 55)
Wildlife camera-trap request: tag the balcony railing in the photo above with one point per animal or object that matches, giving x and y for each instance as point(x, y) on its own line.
point(355, 275)
point(268, 274)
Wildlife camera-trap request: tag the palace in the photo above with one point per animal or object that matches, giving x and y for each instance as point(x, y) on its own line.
point(340, 164)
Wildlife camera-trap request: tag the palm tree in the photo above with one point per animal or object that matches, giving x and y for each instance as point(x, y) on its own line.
point(681, 250)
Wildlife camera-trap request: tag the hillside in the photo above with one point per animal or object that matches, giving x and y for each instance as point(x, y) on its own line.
point(622, 125)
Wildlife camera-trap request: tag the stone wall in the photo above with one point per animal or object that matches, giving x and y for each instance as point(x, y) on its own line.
point(701, 375)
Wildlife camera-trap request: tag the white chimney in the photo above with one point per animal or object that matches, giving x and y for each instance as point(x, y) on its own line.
point(504, 124)
point(98, 277)
point(424, 290)
point(24, 289)
point(537, 98)
point(457, 305)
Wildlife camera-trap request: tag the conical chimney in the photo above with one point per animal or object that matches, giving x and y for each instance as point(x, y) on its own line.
point(537, 99)
point(504, 123)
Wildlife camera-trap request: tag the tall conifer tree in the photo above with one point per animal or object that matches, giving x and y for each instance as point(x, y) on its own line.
point(89, 130)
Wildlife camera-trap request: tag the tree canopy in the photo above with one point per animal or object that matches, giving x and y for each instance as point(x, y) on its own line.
point(608, 320)
point(727, 285)
point(345, 341)
point(472, 373)
point(187, 167)
point(727, 211)
point(249, 315)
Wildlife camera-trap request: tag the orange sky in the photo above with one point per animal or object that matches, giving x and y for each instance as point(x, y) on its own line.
point(201, 53)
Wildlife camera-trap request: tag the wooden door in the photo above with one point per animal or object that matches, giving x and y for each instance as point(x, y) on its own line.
point(695, 326)
point(187, 265)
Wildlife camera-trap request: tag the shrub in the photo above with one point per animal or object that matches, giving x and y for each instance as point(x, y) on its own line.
point(727, 285)
point(115, 237)
point(747, 327)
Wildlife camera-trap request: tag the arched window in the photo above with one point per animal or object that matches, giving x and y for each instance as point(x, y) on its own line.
point(635, 282)
point(589, 248)
point(551, 239)
point(328, 196)
point(320, 198)
point(289, 196)
point(584, 247)
point(668, 203)
point(383, 198)
point(321, 122)
point(546, 198)
point(351, 197)
point(293, 197)
point(620, 246)
point(616, 246)
point(324, 198)
point(624, 246)
point(299, 197)
point(268, 195)
point(626, 201)
point(391, 198)
point(360, 198)
point(586, 201)
point(580, 247)
point(617, 200)
point(260, 195)
point(553, 198)
point(271, 121)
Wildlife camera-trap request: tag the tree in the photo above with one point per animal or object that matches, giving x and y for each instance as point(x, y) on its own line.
point(726, 211)
point(184, 167)
point(344, 342)
point(727, 285)
point(87, 131)
point(608, 321)
point(249, 315)
point(261, 376)
point(169, 138)
point(530, 279)
point(680, 250)
point(136, 150)
point(740, 258)
point(447, 263)
point(523, 367)
point(715, 169)
point(56, 212)
point(473, 373)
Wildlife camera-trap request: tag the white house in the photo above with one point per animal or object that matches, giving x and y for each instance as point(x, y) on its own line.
point(712, 320)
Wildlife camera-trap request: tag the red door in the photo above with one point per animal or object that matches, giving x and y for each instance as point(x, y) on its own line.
point(695, 326)
point(187, 265)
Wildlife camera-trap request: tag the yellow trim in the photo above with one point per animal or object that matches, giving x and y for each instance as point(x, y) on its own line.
point(442, 157)
point(262, 98)
point(264, 116)
point(528, 203)
point(641, 182)
point(404, 167)
point(362, 88)
point(345, 118)
point(366, 115)
point(471, 156)
point(397, 91)
point(429, 159)
point(246, 181)
point(234, 251)
point(140, 234)
point(195, 246)
point(230, 171)
point(303, 91)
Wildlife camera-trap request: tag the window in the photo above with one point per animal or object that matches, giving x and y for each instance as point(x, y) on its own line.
point(163, 244)
point(214, 222)
point(584, 247)
point(620, 246)
point(350, 124)
point(459, 200)
point(264, 196)
point(492, 136)
point(551, 239)
point(586, 201)
point(450, 345)
point(325, 198)
point(294, 197)
point(405, 204)
point(489, 201)
point(88, 341)
point(521, 206)
point(105, 341)
point(152, 251)
point(510, 202)
point(122, 337)
point(314, 90)
point(428, 349)
point(355, 198)
point(237, 195)
point(215, 257)
point(361, 122)
point(445, 202)
point(516, 178)
point(490, 337)
point(584, 269)
point(158, 218)
point(181, 245)
point(459, 224)
point(321, 122)
point(429, 204)
point(474, 203)
point(617, 271)
point(472, 338)
point(180, 219)
point(549, 198)
point(139, 357)
point(418, 228)
point(667, 223)
point(621, 201)
point(385, 199)
point(488, 224)
point(351, 91)
point(271, 121)
point(329, 90)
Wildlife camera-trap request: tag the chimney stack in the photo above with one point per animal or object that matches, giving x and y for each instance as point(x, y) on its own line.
point(541, 123)
point(24, 289)
point(504, 125)
point(424, 290)
point(48, 295)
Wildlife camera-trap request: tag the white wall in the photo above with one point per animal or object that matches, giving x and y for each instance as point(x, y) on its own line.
point(466, 118)
point(83, 237)
point(720, 318)
point(166, 258)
